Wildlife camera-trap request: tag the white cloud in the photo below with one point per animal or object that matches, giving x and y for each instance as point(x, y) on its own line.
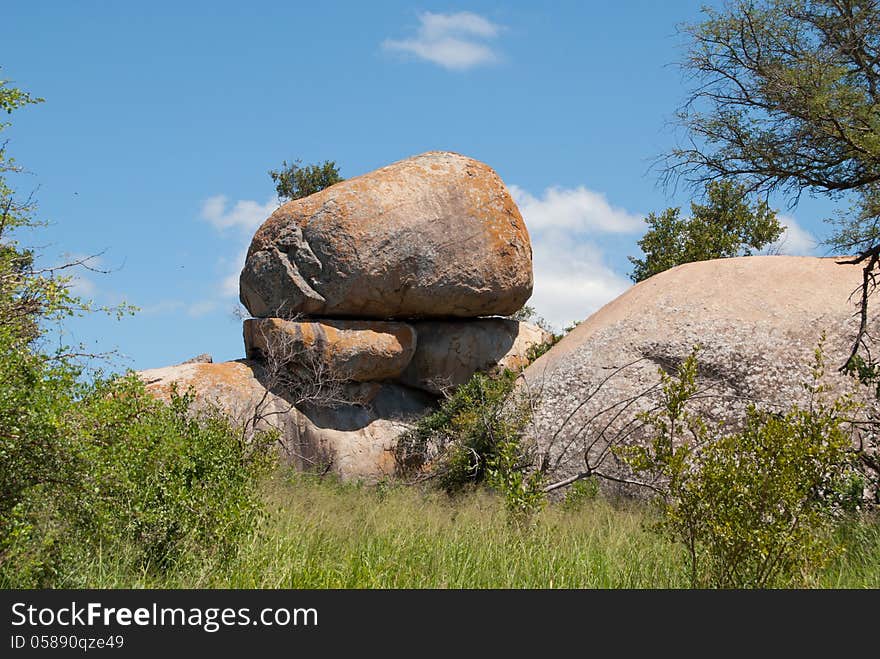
point(246, 215)
point(201, 308)
point(795, 240)
point(82, 286)
point(163, 307)
point(572, 279)
point(229, 283)
point(454, 41)
point(192, 309)
point(574, 209)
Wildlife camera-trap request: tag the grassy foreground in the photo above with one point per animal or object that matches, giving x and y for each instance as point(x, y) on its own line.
point(328, 535)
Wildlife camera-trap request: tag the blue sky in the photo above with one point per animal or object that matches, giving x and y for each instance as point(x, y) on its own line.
point(162, 119)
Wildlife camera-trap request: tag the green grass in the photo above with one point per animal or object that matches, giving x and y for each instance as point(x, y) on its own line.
point(328, 535)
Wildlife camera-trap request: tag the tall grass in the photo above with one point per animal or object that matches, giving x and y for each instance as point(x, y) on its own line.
point(329, 535)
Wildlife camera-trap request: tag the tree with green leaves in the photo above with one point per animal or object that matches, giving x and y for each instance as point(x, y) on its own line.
point(785, 97)
point(727, 225)
point(293, 181)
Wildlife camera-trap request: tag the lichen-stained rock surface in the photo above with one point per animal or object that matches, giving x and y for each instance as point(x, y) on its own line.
point(436, 235)
point(360, 350)
point(757, 319)
point(355, 441)
point(448, 353)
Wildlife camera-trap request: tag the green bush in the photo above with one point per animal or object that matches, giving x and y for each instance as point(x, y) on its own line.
point(510, 473)
point(755, 508)
point(294, 181)
point(475, 437)
point(105, 468)
point(580, 493)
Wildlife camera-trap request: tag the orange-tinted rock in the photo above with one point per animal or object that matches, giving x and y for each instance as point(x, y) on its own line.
point(449, 353)
point(359, 350)
point(354, 441)
point(436, 235)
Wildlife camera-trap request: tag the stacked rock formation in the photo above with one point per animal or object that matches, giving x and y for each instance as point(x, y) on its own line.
point(389, 277)
point(391, 283)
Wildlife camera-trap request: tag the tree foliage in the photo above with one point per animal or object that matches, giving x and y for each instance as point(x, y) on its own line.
point(784, 97)
point(727, 225)
point(293, 181)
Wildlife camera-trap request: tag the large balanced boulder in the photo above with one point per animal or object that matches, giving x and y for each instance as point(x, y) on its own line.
point(448, 353)
point(757, 319)
point(360, 350)
point(354, 440)
point(433, 236)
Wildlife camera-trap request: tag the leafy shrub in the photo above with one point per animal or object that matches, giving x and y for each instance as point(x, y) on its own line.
point(580, 493)
point(91, 465)
point(755, 508)
point(509, 472)
point(293, 181)
point(127, 474)
point(476, 437)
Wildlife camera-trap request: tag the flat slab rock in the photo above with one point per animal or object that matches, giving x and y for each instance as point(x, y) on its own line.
point(359, 350)
point(433, 236)
point(433, 356)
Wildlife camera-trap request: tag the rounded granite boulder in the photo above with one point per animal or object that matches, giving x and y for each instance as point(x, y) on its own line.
point(433, 236)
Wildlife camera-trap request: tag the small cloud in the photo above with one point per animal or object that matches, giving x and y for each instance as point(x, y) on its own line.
point(162, 307)
point(199, 309)
point(795, 240)
point(453, 41)
point(191, 309)
point(246, 214)
point(229, 283)
point(80, 284)
point(574, 209)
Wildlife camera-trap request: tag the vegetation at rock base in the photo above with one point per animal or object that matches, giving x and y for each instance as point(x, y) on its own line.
point(727, 225)
point(464, 438)
point(757, 507)
point(295, 181)
point(320, 533)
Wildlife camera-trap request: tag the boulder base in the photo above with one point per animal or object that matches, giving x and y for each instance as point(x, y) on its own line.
point(355, 441)
point(448, 353)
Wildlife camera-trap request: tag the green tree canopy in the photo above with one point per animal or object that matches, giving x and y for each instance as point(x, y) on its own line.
point(785, 95)
point(293, 181)
point(727, 225)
